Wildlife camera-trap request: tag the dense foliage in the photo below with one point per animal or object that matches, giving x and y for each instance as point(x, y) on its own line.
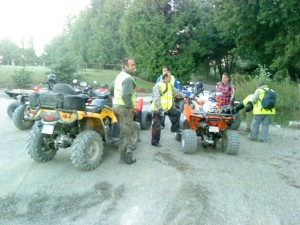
point(190, 36)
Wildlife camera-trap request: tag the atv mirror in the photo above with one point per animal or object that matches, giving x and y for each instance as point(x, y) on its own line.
point(83, 84)
point(75, 81)
point(95, 82)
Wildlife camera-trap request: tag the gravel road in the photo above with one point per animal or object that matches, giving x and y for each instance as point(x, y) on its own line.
point(258, 186)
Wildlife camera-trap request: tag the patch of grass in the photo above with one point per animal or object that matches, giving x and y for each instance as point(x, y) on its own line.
point(39, 75)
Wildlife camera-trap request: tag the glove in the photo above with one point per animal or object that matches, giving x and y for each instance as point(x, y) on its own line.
point(249, 107)
point(239, 107)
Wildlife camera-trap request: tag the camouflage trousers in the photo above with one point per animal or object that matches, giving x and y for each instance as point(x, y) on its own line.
point(125, 118)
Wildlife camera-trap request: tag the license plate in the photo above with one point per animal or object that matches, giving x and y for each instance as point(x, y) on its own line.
point(214, 129)
point(47, 129)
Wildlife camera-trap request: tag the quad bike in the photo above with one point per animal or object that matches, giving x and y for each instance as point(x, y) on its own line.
point(143, 117)
point(21, 96)
point(209, 123)
point(17, 108)
point(67, 119)
point(212, 96)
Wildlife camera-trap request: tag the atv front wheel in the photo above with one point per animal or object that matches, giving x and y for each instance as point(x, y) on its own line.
point(87, 150)
point(40, 146)
point(146, 120)
point(19, 121)
point(12, 107)
point(189, 141)
point(230, 142)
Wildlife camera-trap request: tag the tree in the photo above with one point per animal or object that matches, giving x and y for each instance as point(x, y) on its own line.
point(106, 15)
point(159, 33)
point(10, 52)
point(80, 36)
point(266, 32)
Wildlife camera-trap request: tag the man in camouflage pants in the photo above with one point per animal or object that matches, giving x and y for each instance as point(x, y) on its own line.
point(124, 103)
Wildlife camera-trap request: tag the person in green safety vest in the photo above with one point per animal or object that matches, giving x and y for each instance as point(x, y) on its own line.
point(124, 103)
point(163, 94)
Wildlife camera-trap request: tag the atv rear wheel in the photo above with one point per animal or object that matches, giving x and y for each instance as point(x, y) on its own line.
point(19, 121)
point(189, 141)
point(146, 120)
point(235, 124)
point(40, 146)
point(12, 107)
point(230, 142)
point(87, 150)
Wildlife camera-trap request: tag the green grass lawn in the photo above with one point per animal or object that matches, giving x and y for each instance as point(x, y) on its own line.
point(39, 75)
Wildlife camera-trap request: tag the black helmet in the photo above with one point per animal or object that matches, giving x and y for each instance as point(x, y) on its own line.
point(51, 77)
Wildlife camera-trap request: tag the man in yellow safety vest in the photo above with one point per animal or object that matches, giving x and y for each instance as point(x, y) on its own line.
point(124, 103)
point(163, 94)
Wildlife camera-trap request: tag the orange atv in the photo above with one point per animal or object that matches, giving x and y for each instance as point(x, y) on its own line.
point(209, 123)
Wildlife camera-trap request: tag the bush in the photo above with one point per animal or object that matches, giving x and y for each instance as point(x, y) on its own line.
point(287, 103)
point(22, 78)
point(65, 69)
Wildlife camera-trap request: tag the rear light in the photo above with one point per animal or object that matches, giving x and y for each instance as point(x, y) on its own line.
point(66, 116)
point(211, 123)
point(36, 90)
point(49, 118)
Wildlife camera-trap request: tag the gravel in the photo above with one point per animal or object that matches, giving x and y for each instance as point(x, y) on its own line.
point(259, 185)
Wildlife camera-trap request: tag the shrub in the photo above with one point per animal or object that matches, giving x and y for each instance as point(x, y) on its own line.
point(65, 69)
point(22, 78)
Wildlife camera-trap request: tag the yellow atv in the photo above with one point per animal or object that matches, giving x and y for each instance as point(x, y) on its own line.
point(66, 119)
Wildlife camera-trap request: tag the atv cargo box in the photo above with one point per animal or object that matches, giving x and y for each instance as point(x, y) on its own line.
point(74, 102)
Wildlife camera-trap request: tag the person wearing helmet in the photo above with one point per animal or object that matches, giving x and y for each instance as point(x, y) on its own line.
point(51, 81)
point(51, 77)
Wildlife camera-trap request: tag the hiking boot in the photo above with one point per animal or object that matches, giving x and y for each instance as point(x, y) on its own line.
point(123, 157)
point(156, 144)
point(252, 138)
point(129, 158)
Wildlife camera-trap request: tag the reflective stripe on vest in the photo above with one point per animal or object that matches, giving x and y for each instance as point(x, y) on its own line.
point(118, 100)
point(166, 99)
point(258, 109)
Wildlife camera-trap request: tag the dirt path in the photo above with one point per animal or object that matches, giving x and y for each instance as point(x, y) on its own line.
point(259, 185)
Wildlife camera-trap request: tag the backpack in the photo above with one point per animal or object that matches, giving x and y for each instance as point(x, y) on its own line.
point(269, 100)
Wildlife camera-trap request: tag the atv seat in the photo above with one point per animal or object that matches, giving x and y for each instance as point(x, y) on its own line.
point(94, 108)
point(63, 89)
